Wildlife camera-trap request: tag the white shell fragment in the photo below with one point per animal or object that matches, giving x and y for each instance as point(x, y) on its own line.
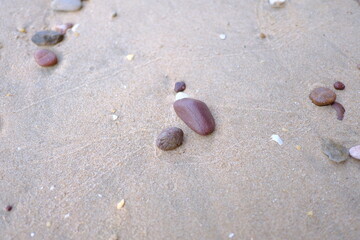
point(181, 95)
point(277, 139)
point(222, 36)
point(277, 3)
point(114, 117)
point(121, 204)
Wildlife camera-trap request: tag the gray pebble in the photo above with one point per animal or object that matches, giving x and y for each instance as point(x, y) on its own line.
point(170, 138)
point(66, 5)
point(47, 38)
point(335, 151)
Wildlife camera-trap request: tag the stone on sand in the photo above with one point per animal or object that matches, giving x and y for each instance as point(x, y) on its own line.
point(66, 5)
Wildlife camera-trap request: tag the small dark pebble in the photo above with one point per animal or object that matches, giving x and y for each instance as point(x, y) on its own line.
point(358, 66)
point(340, 110)
point(322, 96)
point(8, 208)
point(47, 38)
point(180, 86)
point(45, 58)
point(170, 138)
point(262, 35)
point(339, 85)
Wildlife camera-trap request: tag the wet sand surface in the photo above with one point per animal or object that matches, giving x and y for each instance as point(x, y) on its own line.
point(65, 163)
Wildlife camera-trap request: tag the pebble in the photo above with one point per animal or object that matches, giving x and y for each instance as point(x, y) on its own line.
point(339, 85)
point(114, 14)
point(45, 58)
point(196, 115)
point(340, 110)
point(62, 28)
point(358, 66)
point(335, 151)
point(170, 138)
point(277, 3)
point(322, 96)
point(262, 35)
point(66, 5)
point(47, 38)
point(179, 86)
point(222, 36)
point(355, 152)
point(8, 208)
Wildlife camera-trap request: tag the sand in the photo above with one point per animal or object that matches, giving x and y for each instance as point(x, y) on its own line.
point(65, 163)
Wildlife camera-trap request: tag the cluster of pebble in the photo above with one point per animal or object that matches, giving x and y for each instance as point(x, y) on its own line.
point(322, 96)
point(45, 57)
point(195, 114)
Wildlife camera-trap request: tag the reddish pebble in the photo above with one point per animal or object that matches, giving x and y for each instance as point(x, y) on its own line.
point(179, 86)
point(340, 110)
point(322, 96)
point(45, 58)
point(62, 28)
point(196, 115)
point(8, 208)
point(339, 86)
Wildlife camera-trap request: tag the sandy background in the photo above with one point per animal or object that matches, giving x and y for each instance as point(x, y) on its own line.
point(63, 160)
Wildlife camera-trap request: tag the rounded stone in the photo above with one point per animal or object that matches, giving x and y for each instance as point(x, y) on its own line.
point(322, 96)
point(45, 58)
point(66, 5)
point(339, 85)
point(179, 86)
point(355, 152)
point(47, 38)
point(196, 115)
point(170, 138)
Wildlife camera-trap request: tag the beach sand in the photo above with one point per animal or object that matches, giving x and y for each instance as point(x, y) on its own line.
point(65, 163)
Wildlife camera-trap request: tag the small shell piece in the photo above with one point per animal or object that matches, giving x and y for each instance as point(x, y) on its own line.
point(121, 204)
point(130, 57)
point(181, 95)
point(277, 139)
point(62, 28)
point(277, 3)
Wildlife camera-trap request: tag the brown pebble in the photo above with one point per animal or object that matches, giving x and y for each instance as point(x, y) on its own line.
point(180, 86)
point(8, 208)
point(170, 138)
point(262, 35)
point(339, 85)
point(358, 66)
point(45, 58)
point(340, 110)
point(196, 115)
point(322, 96)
